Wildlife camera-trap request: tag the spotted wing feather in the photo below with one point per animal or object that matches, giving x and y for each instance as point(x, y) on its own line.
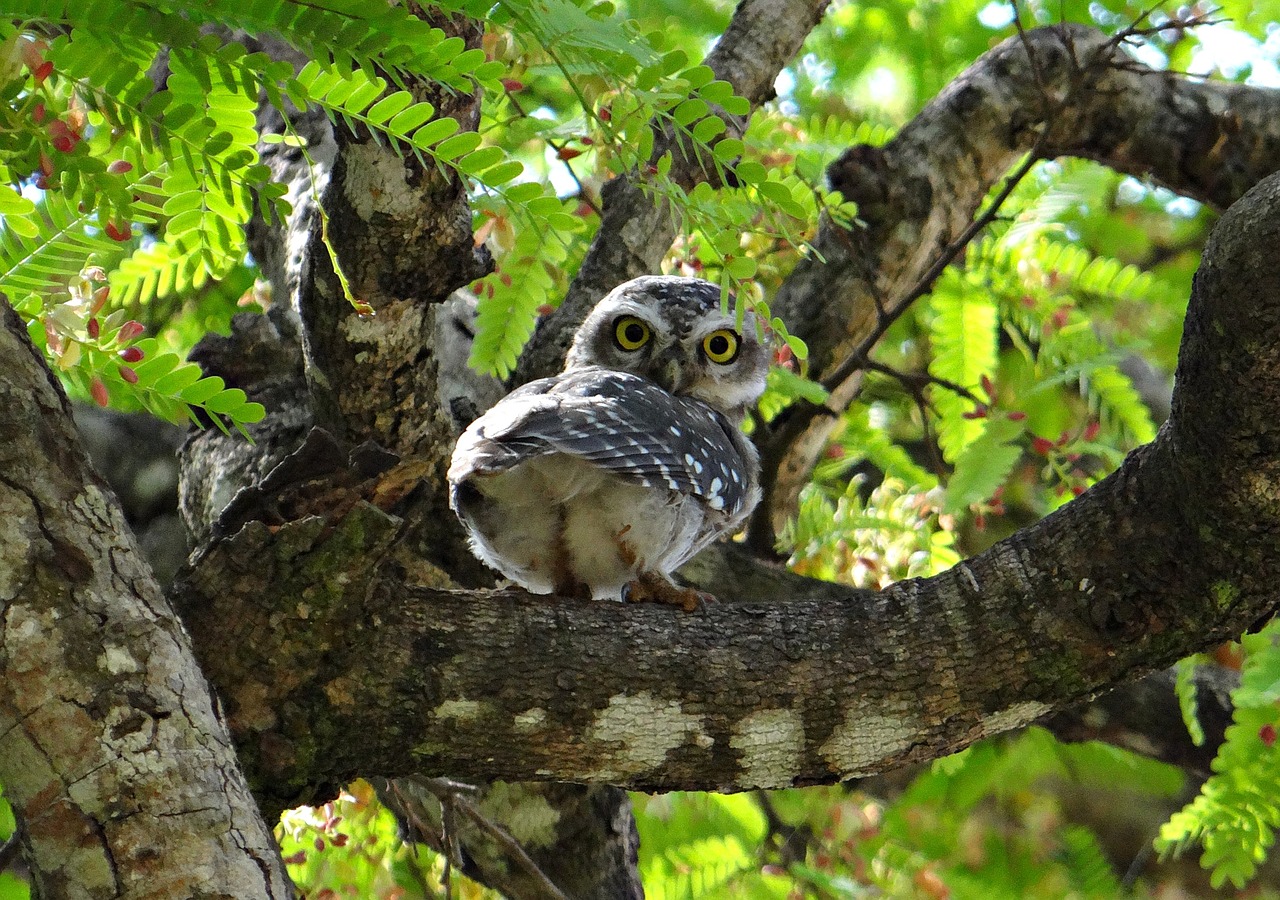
point(623, 423)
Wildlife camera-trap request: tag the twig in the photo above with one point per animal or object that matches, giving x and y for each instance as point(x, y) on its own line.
point(854, 361)
point(1031, 56)
point(791, 842)
point(583, 193)
point(509, 844)
point(914, 381)
point(1135, 868)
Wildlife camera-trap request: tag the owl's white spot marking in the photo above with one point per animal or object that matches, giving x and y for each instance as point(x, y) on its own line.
point(716, 502)
point(734, 476)
point(697, 467)
point(771, 742)
point(863, 739)
point(716, 486)
point(688, 459)
point(635, 734)
point(530, 719)
point(1017, 715)
point(675, 431)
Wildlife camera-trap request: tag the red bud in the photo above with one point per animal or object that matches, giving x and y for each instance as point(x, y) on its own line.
point(33, 51)
point(43, 71)
point(1041, 445)
point(131, 354)
point(99, 391)
point(130, 330)
point(511, 85)
point(94, 328)
point(1091, 431)
point(100, 299)
point(567, 153)
point(1267, 734)
point(121, 232)
point(120, 166)
point(1017, 416)
point(128, 375)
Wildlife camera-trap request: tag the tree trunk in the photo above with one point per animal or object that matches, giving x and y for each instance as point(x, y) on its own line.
point(111, 747)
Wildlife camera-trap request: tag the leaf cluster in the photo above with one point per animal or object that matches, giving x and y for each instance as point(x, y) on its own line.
point(1235, 817)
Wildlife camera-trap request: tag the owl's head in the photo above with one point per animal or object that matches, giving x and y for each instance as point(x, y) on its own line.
point(671, 331)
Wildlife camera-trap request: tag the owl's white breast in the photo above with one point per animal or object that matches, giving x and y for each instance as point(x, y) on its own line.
point(560, 524)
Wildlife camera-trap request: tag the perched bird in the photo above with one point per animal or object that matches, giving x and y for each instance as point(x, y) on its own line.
point(600, 481)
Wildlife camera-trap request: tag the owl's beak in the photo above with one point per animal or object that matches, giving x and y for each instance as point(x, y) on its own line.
point(668, 372)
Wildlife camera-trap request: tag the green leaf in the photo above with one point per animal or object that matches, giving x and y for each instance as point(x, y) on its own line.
point(1185, 688)
point(963, 335)
point(389, 109)
point(983, 465)
point(406, 121)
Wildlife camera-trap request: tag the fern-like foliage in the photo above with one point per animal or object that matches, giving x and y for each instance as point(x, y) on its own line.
point(177, 166)
point(1234, 819)
point(964, 343)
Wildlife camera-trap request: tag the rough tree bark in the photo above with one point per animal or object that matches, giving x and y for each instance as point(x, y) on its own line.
point(111, 747)
point(323, 601)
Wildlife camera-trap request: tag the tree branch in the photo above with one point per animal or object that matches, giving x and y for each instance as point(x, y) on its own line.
point(1065, 90)
point(1170, 554)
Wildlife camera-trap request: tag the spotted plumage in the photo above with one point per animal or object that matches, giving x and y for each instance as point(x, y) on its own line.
point(603, 479)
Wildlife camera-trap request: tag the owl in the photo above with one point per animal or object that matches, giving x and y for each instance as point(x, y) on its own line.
point(600, 481)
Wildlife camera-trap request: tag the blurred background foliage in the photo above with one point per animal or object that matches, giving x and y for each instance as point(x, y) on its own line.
point(1061, 322)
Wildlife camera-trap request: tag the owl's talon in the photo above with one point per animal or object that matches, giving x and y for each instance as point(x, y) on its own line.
point(656, 589)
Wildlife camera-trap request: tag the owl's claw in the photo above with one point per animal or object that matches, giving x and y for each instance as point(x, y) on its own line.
point(649, 588)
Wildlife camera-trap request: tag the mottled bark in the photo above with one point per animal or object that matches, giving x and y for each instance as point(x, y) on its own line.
point(111, 750)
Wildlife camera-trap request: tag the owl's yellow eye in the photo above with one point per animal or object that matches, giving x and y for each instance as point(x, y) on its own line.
point(630, 333)
point(720, 346)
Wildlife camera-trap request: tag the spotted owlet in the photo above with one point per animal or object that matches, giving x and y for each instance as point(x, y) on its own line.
point(602, 480)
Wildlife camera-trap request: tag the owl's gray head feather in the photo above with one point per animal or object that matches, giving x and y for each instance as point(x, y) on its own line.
point(681, 315)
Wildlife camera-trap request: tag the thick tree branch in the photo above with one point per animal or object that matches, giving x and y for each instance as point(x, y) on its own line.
point(1175, 551)
point(1065, 90)
point(110, 745)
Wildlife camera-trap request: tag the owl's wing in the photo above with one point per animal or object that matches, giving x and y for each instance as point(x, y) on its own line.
point(622, 423)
